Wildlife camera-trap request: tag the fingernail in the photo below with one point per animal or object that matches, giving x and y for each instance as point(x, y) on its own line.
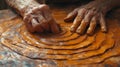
point(78, 31)
point(90, 33)
point(72, 29)
point(104, 30)
point(67, 19)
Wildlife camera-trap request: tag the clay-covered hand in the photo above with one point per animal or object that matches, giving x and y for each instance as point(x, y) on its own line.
point(39, 19)
point(87, 17)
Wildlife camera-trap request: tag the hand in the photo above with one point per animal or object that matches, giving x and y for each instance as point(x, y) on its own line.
point(87, 17)
point(39, 19)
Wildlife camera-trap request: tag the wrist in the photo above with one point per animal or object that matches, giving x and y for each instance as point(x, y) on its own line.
point(29, 7)
point(107, 5)
point(31, 10)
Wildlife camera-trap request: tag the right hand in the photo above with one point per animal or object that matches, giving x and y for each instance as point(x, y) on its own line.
point(40, 20)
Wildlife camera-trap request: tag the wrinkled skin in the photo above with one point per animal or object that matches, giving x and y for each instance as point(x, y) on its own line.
point(87, 17)
point(40, 20)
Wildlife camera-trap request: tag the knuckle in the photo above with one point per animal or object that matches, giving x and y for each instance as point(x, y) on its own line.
point(44, 6)
point(93, 21)
point(79, 17)
point(83, 9)
point(86, 21)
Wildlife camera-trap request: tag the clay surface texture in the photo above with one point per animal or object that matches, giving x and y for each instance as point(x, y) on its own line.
point(19, 48)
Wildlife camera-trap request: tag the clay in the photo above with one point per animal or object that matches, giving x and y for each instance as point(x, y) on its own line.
point(83, 55)
point(65, 48)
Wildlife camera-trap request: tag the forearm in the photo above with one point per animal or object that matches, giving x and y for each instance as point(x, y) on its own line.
point(107, 5)
point(111, 3)
point(22, 6)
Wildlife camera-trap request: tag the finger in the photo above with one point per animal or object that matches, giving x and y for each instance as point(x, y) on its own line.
point(34, 22)
point(103, 23)
point(45, 26)
point(71, 16)
point(28, 23)
point(85, 22)
point(92, 26)
point(39, 29)
point(29, 27)
point(43, 22)
point(47, 14)
point(36, 26)
point(54, 26)
point(78, 20)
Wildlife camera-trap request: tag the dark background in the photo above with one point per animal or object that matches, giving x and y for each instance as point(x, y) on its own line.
point(3, 4)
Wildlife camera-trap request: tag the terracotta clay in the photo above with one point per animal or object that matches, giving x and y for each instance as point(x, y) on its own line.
point(64, 49)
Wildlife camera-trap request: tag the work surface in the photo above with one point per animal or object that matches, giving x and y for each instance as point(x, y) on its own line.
point(19, 48)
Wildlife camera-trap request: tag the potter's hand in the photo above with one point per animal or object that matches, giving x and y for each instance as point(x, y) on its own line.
point(39, 19)
point(87, 17)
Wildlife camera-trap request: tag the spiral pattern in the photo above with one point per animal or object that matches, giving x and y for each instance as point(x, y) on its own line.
point(69, 47)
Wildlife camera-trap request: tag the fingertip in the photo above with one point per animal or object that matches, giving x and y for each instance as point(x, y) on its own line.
point(66, 19)
point(58, 28)
point(71, 16)
point(55, 28)
point(79, 31)
point(90, 33)
point(92, 26)
point(72, 29)
point(82, 27)
point(76, 24)
point(104, 30)
point(103, 24)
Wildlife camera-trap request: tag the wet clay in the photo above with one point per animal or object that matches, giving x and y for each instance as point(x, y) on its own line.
point(66, 49)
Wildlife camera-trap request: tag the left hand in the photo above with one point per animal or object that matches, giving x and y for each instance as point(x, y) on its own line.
point(87, 17)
